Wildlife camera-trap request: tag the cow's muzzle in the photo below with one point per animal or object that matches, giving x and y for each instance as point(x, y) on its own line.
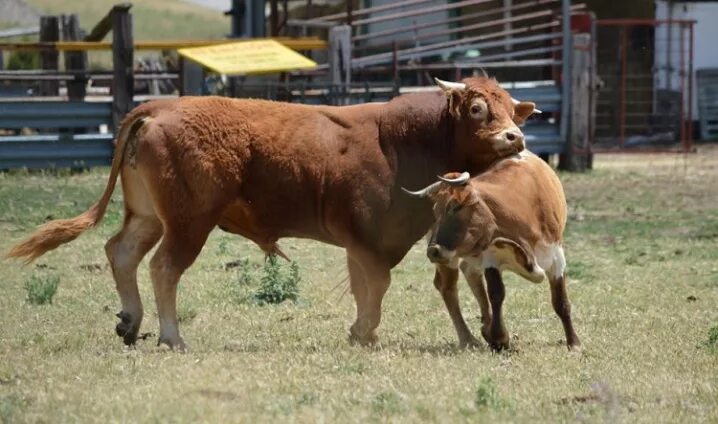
point(438, 254)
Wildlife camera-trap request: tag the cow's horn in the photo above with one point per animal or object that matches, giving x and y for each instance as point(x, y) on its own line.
point(424, 192)
point(460, 180)
point(448, 85)
point(515, 102)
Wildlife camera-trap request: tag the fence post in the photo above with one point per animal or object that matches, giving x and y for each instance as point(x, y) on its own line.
point(191, 77)
point(122, 62)
point(49, 32)
point(74, 61)
point(340, 57)
point(577, 153)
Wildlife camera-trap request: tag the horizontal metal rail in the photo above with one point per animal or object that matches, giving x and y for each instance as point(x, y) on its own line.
point(417, 12)
point(463, 17)
point(16, 32)
point(375, 9)
point(40, 75)
point(45, 115)
point(401, 54)
point(303, 43)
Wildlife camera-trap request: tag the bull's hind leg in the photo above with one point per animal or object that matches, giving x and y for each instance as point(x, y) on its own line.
point(125, 251)
point(179, 248)
point(559, 300)
point(445, 280)
point(369, 280)
point(498, 336)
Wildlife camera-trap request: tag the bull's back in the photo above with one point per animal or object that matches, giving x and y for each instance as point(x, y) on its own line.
point(288, 167)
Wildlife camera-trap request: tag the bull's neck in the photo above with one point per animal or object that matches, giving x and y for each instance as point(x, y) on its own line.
point(416, 134)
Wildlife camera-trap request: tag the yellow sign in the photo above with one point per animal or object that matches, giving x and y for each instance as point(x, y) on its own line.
point(248, 57)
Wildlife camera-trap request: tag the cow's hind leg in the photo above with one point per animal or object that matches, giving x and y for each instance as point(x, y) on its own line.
point(562, 307)
point(125, 250)
point(179, 248)
point(498, 336)
point(445, 280)
point(369, 280)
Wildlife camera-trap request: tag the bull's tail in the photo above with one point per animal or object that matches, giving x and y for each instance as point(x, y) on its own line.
point(55, 233)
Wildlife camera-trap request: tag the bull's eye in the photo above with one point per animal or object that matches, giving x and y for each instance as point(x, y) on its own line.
point(478, 110)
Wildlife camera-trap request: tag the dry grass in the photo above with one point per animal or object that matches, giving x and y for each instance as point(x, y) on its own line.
point(643, 261)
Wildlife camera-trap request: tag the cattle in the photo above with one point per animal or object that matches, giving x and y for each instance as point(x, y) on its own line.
point(511, 217)
point(267, 170)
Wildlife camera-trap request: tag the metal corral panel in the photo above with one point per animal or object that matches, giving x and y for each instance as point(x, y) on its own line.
point(52, 114)
point(708, 102)
point(55, 151)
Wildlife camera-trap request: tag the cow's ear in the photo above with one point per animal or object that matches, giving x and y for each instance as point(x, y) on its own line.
point(522, 111)
point(514, 257)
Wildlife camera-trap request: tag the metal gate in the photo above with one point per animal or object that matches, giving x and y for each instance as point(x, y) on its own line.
point(645, 103)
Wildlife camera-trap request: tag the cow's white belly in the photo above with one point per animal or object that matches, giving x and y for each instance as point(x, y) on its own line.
point(549, 260)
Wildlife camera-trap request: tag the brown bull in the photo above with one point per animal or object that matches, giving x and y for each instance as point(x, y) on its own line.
point(511, 217)
point(267, 170)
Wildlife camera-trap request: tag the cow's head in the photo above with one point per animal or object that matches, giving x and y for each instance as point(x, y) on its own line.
point(487, 117)
point(464, 224)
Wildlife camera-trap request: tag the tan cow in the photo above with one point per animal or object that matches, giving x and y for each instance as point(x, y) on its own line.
point(512, 217)
point(267, 170)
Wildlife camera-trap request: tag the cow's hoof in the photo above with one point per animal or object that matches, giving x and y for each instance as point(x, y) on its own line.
point(177, 344)
point(126, 328)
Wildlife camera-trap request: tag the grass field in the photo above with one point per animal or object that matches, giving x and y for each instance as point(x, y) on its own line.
point(642, 248)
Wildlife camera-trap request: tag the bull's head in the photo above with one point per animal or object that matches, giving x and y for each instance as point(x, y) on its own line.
point(487, 117)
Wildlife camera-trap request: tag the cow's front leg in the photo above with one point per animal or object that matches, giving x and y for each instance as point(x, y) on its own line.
point(445, 280)
point(474, 275)
point(498, 336)
point(369, 280)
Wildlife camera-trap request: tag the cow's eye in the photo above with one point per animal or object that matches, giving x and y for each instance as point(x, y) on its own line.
point(478, 110)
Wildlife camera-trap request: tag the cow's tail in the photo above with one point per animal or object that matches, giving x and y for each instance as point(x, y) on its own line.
point(55, 233)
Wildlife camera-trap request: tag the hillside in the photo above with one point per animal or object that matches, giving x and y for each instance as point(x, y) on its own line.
point(152, 19)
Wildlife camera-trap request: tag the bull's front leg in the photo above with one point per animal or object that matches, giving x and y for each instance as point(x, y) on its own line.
point(369, 279)
point(445, 280)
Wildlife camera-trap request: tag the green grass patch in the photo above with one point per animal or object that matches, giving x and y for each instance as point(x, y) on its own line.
point(41, 289)
point(643, 283)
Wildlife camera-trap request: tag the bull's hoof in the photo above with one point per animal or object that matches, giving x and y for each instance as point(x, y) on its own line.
point(174, 344)
point(126, 329)
point(575, 348)
point(499, 342)
point(470, 343)
point(370, 339)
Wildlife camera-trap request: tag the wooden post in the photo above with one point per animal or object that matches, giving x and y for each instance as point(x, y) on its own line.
point(577, 153)
point(340, 57)
point(122, 62)
point(273, 18)
point(74, 61)
point(49, 31)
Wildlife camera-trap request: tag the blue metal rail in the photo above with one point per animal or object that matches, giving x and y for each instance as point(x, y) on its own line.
point(63, 147)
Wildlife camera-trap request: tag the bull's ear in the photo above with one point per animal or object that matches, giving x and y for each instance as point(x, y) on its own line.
point(453, 92)
point(522, 111)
